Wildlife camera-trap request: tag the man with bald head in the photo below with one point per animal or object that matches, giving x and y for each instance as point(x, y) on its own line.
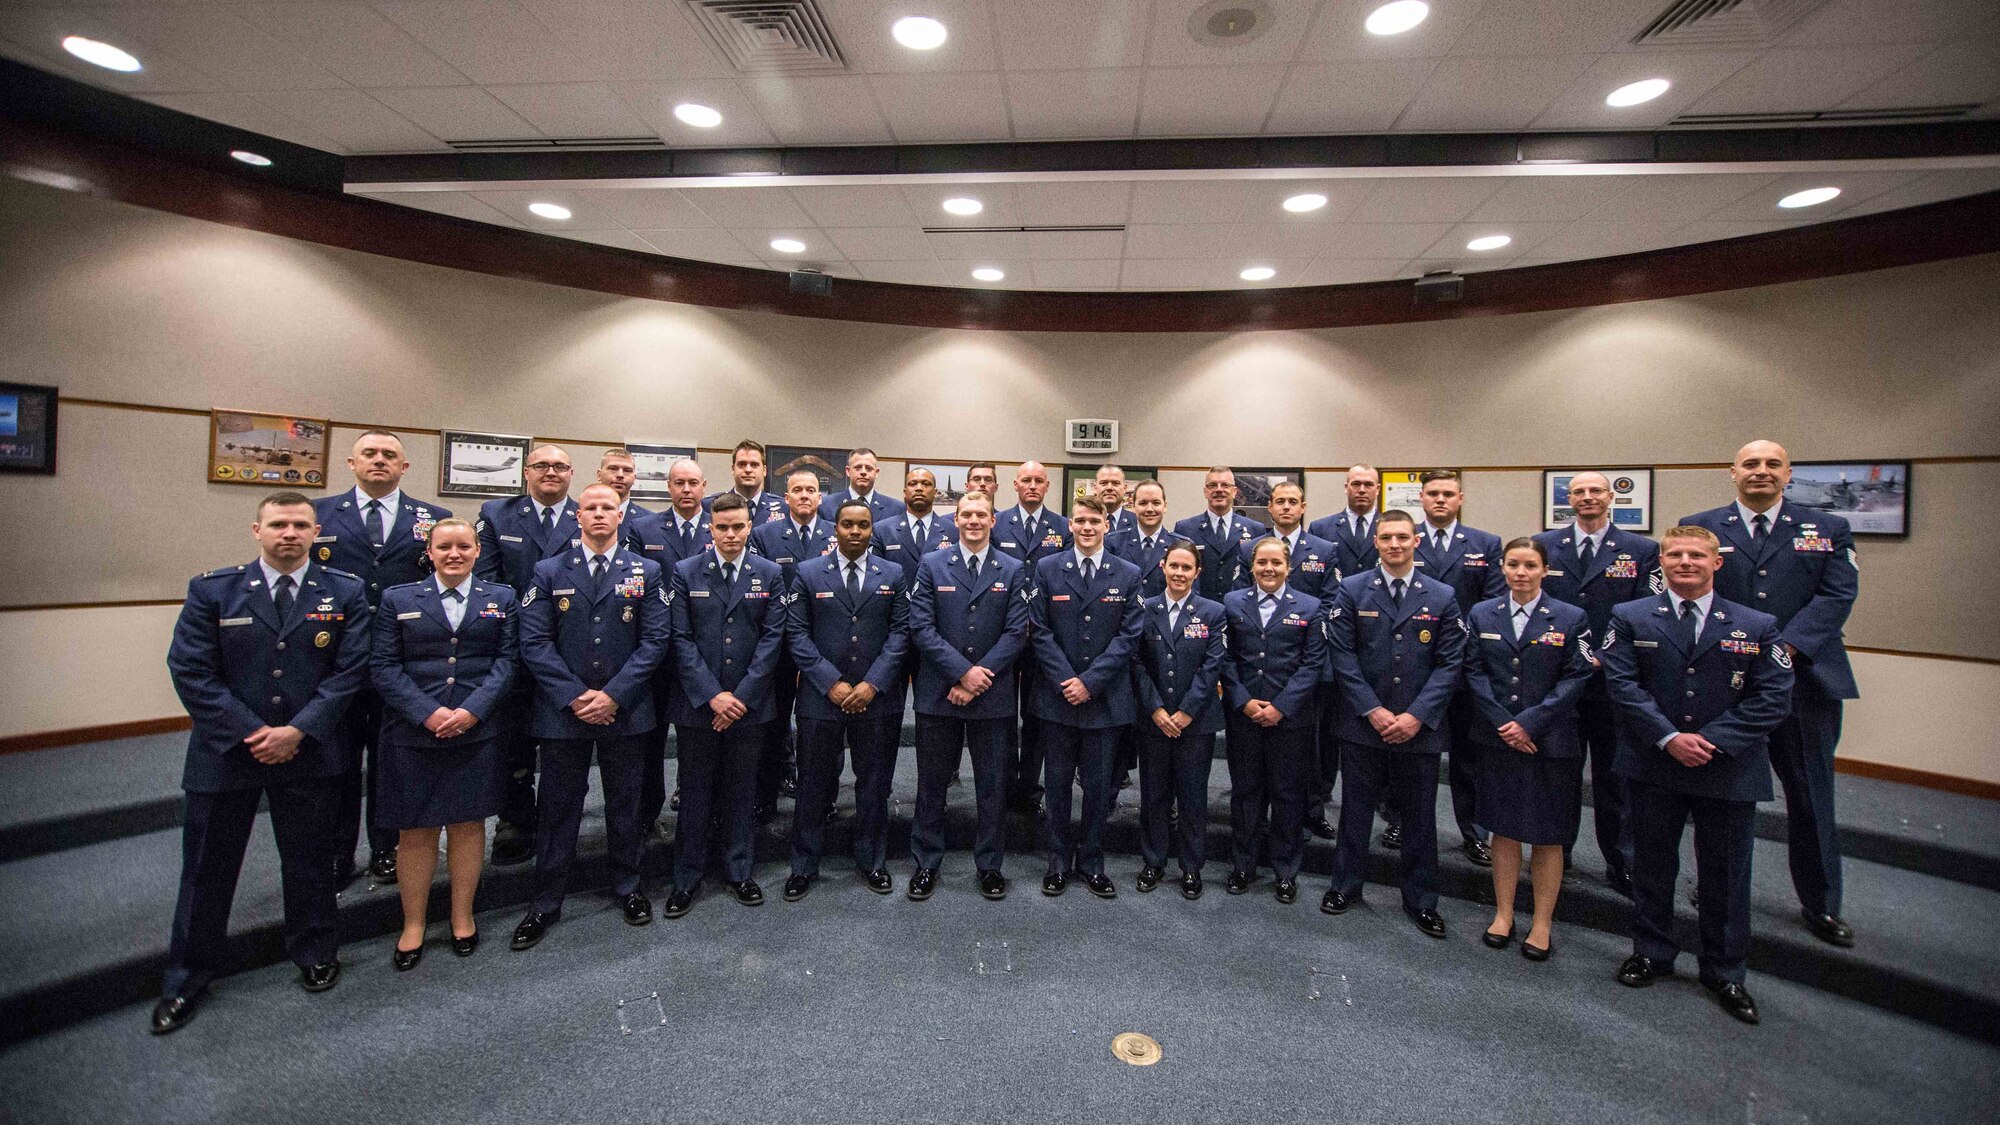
point(921, 528)
point(1594, 565)
point(1798, 565)
point(1029, 532)
point(1352, 529)
point(515, 535)
point(1111, 492)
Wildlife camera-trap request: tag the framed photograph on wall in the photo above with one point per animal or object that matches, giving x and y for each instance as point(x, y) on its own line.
point(1081, 480)
point(1873, 496)
point(477, 464)
point(1253, 490)
point(1403, 489)
point(270, 450)
point(950, 477)
point(1631, 498)
point(829, 465)
point(651, 463)
point(27, 428)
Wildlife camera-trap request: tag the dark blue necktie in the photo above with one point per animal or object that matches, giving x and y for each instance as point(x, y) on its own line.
point(284, 597)
point(376, 533)
point(1587, 556)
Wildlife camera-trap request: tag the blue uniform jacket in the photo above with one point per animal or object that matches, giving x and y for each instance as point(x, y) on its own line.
point(1627, 566)
point(609, 635)
point(836, 639)
point(1010, 534)
point(1088, 631)
point(1357, 553)
point(419, 664)
point(781, 543)
point(1181, 672)
point(892, 541)
point(403, 557)
point(1535, 681)
point(1470, 564)
point(879, 506)
point(1733, 690)
point(956, 623)
point(1315, 566)
point(1279, 663)
point(237, 667)
point(766, 507)
point(1219, 557)
point(1131, 546)
point(511, 542)
point(727, 637)
point(1406, 659)
point(1807, 576)
point(658, 538)
point(1124, 519)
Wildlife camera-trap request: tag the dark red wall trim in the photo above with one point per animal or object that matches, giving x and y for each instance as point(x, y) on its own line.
point(1955, 228)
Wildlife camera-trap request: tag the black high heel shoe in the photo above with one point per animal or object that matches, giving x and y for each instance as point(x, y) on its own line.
point(1497, 941)
point(1537, 952)
point(406, 959)
point(463, 946)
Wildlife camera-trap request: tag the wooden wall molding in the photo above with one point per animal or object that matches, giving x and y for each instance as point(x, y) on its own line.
point(1968, 786)
point(105, 732)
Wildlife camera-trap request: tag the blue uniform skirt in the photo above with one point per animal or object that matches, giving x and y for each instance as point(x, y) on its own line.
point(1532, 798)
point(432, 786)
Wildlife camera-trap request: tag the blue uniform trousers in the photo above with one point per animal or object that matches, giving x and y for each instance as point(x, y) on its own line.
point(1173, 774)
point(872, 742)
point(1269, 768)
point(718, 776)
point(1071, 753)
point(517, 756)
point(776, 758)
point(364, 726)
point(941, 740)
point(1802, 756)
point(1724, 833)
point(1610, 804)
point(565, 764)
point(1408, 782)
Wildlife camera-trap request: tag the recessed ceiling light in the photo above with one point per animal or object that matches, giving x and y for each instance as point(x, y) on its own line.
point(251, 158)
point(919, 33)
point(964, 206)
point(788, 246)
point(987, 273)
point(1398, 17)
point(549, 210)
point(1489, 242)
point(1811, 197)
point(1635, 93)
point(1310, 201)
point(101, 54)
point(1258, 273)
point(697, 115)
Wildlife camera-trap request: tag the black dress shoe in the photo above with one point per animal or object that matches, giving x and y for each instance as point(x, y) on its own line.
point(1827, 928)
point(1099, 884)
point(638, 909)
point(1537, 952)
point(880, 881)
point(464, 946)
point(922, 884)
point(679, 902)
point(1333, 902)
point(992, 885)
point(1392, 837)
point(382, 866)
point(1287, 891)
point(1498, 941)
point(1239, 882)
point(1190, 885)
point(1478, 851)
point(1639, 970)
point(1054, 883)
point(173, 1013)
point(406, 959)
point(531, 931)
point(1149, 877)
point(1428, 921)
point(748, 892)
point(797, 886)
point(1735, 1000)
point(319, 978)
point(514, 848)
point(674, 802)
point(1319, 827)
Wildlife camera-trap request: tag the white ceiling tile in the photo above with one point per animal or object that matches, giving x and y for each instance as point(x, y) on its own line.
point(654, 102)
point(585, 214)
point(877, 205)
point(1071, 34)
point(1168, 273)
point(1189, 201)
point(906, 273)
point(1676, 199)
point(1170, 43)
point(1527, 237)
point(1790, 81)
point(630, 39)
point(1761, 204)
point(1099, 274)
point(1180, 240)
point(927, 203)
point(709, 245)
point(1469, 94)
point(1354, 96)
point(1073, 203)
point(923, 108)
point(353, 41)
point(1536, 27)
point(1059, 245)
point(818, 111)
point(1019, 273)
point(1549, 198)
point(38, 34)
point(1275, 239)
point(489, 40)
point(1290, 271)
point(647, 208)
point(881, 244)
point(457, 113)
point(756, 242)
point(862, 27)
point(221, 43)
point(1350, 271)
point(619, 239)
point(1931, 188)
point(984, 246)
point(1590, 238)
point(458, 204)
point(1050, 105)
point(245, 111)
point(1582, 105)
point(1263, 200)
point(1381, 240)
point(1207, 101)
point(1422, 199)
point(748, 206)
point(1339, 32)
point(573, 110)
point(1954, 74)
point(1846, 23)
point(352, 118)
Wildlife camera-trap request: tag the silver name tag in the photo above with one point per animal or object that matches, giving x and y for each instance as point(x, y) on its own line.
point(236, 621)
point(409, 616)
point(1645, 644)
point(512, 539)
point(560, 593)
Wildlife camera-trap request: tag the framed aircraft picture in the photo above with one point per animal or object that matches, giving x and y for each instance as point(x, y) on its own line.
point(27, 428)
point(829, 465)
point(476, 464)
point(1631, 498)
point(650, 466)
point(1872, 496)
point(269, 450)
point(1253, 490)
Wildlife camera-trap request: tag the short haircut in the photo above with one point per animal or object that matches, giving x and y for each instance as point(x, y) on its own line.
point(450, 522)
point(1291, 484)
point(796, 474)
point(379, 433)
point(862, 451)
point(1369, 469)
point(548, 445)
point(846, 504)
point(753, 446)
point(1441, 474)
point(284, 500)
point(913, 470)
point(977, 496)
point(689, 461)
point(1395, 515)
point(987, 465)
point(728, 502)
point(1088, 504)
point(1189, 549)
point(1690, 531)
point(1214, 469)
point(1149, 484)
point(1521, 542)
point(618, 453)
point(1113, 468)
point(1283, 548)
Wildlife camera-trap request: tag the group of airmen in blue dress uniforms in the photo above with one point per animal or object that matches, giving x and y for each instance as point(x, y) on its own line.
point(1057, 648)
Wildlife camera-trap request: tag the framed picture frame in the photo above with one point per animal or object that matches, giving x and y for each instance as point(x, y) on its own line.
point(1631, 498)
point(27, 428)
point(1402, 489)
point(1081, 480)
point(471, 463)
point(1872, 496)
point(829, 465)
point(650, 465)
point(1253, 490)
point(267, 450)
point(950, 477)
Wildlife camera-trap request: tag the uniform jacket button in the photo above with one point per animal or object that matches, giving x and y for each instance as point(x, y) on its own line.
point(277, 673)
point(277, 699)
point(451, 679)
point(451, 660)
point(281, 646)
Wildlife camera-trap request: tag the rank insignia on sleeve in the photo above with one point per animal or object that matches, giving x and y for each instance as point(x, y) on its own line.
point(529, 598)
point(1779, 654)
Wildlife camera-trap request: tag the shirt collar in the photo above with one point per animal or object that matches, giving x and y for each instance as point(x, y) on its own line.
point(1701, 603)
point(390, 503)
point(462, 587)
point(1178, 606)
point(1408, 579)
point(1096, 560)
point(557, 508)
point(1450, 531)
point(1596, 538)
point(967, 554)
point(1278, 594)
point(1514, 607)
point(1771, 517)
point(607, 556)
point(271, 575)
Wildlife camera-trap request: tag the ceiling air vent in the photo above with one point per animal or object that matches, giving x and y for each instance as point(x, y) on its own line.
point(1724, 23)
point(770, 36)
point(1831, 116)
point(531, 144)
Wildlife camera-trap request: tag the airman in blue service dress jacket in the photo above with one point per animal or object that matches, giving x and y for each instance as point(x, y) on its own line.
point(1219, 553)
point(785, 543)
point(1131, 545)
point(895, 540)
point(1315, 565)
point(512, 542)
point(1536, 680)
point(658, 537)
point(881, 507)
point(1049, 536)
point(579, 634)
point(1179, 669)
point(1279, 662)
point(1354, 539)
point(343, 544)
